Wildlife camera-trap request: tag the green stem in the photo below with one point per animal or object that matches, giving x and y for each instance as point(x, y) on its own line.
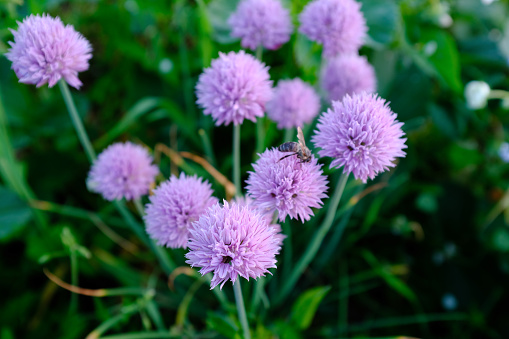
point(139, 207)
point(260, 127)
point(259, 52)
point(167, 265)
point(498, 94)
point(316, 242)
point(260, 135)
point(74, 281)
point(288, 135)
point(207, 146)
point(239, 300)
point(78, 125)
point(236, 160)
point(126, 311)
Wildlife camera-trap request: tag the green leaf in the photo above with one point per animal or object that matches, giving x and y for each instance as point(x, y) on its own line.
point(443, 121)
point(218, 14)
point(14, 213)
point(500, 239)
point(394, 282)
point(464, 154)
point(304, 309)
point(381, 17)
point(443, 56)
point(286, 330)
point(141, 108)
point(223, 325)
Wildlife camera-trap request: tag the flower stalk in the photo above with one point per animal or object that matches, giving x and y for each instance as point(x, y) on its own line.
point(78, 125)
point(241, 310)
point(316, 242)
point(236, 160)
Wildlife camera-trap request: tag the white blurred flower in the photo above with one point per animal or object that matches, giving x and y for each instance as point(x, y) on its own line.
point(503, 152)
point(476, 93)
point(488, 2)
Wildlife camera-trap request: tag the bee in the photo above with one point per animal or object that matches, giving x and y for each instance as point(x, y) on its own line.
point(298, 148)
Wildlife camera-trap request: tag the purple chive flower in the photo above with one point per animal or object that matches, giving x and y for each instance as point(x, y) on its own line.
point(347, 74)
point(232, 240)
point(362, 134)
point(337, 24)
point(261, 23)
point(235, 87)
point(287, 186)
point(249, 202)
point(44, 51)
point(174, 206)
point(123, 170)
point(294, 104)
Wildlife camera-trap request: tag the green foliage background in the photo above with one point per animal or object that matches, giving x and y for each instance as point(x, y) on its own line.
point(431, 232)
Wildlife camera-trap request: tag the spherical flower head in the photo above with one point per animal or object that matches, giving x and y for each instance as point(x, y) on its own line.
point(362, 134)
point(288, 186)
point(261, 23)
point(123, 170)
point(477, 94)
point(44, 51)
point(232, 240)
point(337, 24)
point(294, 104)
point(174, 206)
point(235, 87)
point(249, 202)
point(347, 74)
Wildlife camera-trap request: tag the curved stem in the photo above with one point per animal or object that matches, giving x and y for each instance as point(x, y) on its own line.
point(241, 310)
point(316, 242)
point(236, 160)
point(78, 125)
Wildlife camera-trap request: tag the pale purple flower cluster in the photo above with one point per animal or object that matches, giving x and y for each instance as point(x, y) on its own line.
point(362, 134)
point(174, 206)
point(294, 104)
point(235, 87)
point(261, 23)
point(123, 170)
point(232, 240)
point(338, 24)
point(44, 51)
point(286, 186)
point(249, 202)
point(347, 74)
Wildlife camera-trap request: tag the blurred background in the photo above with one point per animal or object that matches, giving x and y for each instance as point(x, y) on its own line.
point(426, 249)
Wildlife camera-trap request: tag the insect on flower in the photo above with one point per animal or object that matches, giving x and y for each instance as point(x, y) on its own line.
point(298, 148)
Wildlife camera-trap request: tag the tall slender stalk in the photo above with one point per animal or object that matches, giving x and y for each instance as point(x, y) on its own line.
point(316, 242)
point(260, 128)
point(236, 160)
point(161, 255)
point(241, 310)
point(74, 281)
point(78, 125)
point(288, 136)
point(139, 207)
point(166, 263)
